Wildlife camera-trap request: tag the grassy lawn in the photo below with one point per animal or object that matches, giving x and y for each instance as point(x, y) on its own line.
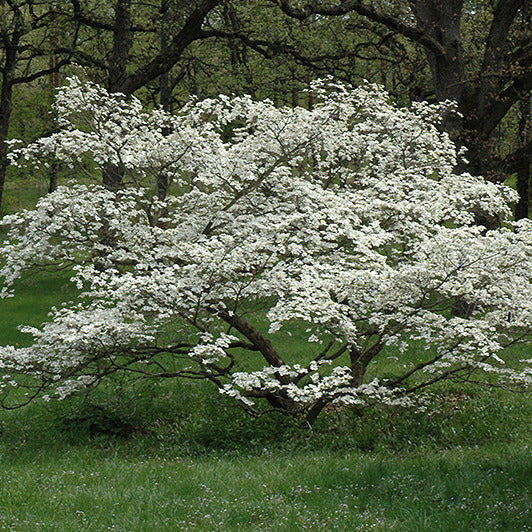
point(178, 456)
point(84, 488)
point(22, 193)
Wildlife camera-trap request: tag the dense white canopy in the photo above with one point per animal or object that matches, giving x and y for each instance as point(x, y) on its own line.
point(346, 221)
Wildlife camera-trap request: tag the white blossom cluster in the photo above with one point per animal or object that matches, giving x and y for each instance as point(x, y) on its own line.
point(347, 221)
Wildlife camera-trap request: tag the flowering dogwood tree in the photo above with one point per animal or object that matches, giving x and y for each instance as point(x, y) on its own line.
point(346, 222)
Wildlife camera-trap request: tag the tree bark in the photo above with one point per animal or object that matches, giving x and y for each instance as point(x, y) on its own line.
point(119, 80)
point(164, 61)
point(441, 22)
point(165, 92)
point(112, 174)
point(6, 105)
point(122, 39)
point(522, 207)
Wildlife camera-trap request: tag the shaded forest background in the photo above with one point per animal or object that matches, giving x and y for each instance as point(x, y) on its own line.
point(476, 52)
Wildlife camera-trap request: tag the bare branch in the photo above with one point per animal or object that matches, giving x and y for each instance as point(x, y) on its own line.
point(166, 59)
point(347, 6)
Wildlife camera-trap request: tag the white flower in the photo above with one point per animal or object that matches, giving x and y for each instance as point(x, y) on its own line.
point(347, 221)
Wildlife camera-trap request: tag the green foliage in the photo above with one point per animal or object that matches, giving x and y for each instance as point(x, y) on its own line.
point(96, 421)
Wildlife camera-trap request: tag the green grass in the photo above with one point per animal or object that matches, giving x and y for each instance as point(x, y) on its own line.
point(22, 193)
point(34, 297)
point(99, 489)
point(178, 456)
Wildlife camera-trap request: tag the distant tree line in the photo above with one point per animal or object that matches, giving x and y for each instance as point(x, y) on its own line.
point(476, 52)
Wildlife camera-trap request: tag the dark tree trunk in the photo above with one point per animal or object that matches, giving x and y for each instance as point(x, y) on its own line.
point(24, 60)
point(482, 100)
point(522, 208)
point(165, 92)
point(314, 412)
point(6, 97)
point(441, 22)
point(122, 38)
point(163, 62)
point(52, 180)
point(359, 361)
point(112, 174)
point(484, 96)
point(53, 83)
point(119, 80)
point(484, 103)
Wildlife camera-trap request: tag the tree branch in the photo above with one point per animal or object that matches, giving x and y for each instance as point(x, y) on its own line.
point(494, 113)
point(503, 16)
point(83, 19)
point(263, 345)
point(41, 73)
point(348, 6)
point(166, 59)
